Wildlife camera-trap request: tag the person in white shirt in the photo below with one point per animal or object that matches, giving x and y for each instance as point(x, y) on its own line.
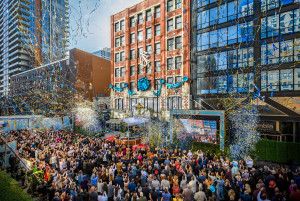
point(102, 196)
point(249, 163)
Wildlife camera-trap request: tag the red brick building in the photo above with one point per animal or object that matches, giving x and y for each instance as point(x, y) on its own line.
point(161, 28)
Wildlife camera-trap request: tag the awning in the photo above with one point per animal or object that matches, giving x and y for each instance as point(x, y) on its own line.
point(135, 120)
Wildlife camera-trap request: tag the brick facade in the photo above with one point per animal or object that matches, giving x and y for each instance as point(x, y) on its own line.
point(176, 11)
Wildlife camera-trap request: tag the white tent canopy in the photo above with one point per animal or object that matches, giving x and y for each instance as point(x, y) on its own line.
point(135, 120)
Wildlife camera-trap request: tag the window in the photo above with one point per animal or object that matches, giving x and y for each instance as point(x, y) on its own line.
point(223, 13)
point(157, 48)
point(178, 42)
point(170, 80)
point(132, 38)
point(140, 36)
point(148, 33)
point(157, 12)
point(117, 42)
point(232, 10)
point(178, 22)
point(140, 69)
point(170, 25)
point(140, 19)
point(203, 19)
point(117, 27)
point(202, 41)
point(122, 71)
point(157, 84)
point(232, 34)
point(272, 25)
point(157, 66)
point(132, 54)
point(286, 22)
point(170, 64)
point(148, 15)
point(132, 22)
point(117, 72)
point(286, 51)
point(132, 87)
point(132, 70)
point(297, 49)
point(213, 16)
point(178, 63)
point(178, 79)
point(157, 30)
point(140, 51)
point(174, 103)
point(245, 7)
point(149, 49)
point(122, 40)
point(117, 57)
point(122, 25)
point(119, 104)
point(178, 4)
point(170, 5)
point(148, 69)
point(170, 44)
point(122, 56)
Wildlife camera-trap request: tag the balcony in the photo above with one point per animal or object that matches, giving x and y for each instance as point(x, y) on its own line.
point(18, 45)
point(14, 41)
point(20, 63)
point(16, 71)
point(18, 58)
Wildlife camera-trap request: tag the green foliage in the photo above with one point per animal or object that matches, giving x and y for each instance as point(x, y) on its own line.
point(281, 150)
point(10, 190)
point(206, 148)
point(270, 150)
point(292, 152)
point(260, 150)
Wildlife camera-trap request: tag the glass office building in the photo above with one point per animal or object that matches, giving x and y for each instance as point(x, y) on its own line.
point(104, 53)
point(25, 35)
point(246, 46)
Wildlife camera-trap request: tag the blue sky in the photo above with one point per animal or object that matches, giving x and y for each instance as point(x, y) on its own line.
point(90, 22)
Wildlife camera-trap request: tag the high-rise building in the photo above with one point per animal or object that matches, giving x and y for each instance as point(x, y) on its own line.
point(151, 58)
point(32, 33)
point(104, 53)
point(248, 47)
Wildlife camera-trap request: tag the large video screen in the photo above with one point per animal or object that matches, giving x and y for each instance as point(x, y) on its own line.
point(197, 130)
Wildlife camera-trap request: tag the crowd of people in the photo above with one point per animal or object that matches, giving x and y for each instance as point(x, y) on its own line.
point(78, 168)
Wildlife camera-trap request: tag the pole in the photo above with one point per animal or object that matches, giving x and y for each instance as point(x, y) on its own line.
point(157, 106)
point(5, 152)
point(171, 127)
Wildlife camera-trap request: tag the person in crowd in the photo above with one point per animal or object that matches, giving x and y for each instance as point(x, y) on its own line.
point(79, 168)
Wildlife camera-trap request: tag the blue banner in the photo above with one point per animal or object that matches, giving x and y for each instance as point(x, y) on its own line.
point(10, 126)
point(57, 124)
point(67, 122)
point(22, 124)
point(35, 123)
point(47, 123)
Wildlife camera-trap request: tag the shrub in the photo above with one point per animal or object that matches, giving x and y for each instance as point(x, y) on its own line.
point(206, 147)
point(281, 152)
point(270, 150)
point(292, 152)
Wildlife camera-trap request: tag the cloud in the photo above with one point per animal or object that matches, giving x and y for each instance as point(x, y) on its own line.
point(97, 34)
